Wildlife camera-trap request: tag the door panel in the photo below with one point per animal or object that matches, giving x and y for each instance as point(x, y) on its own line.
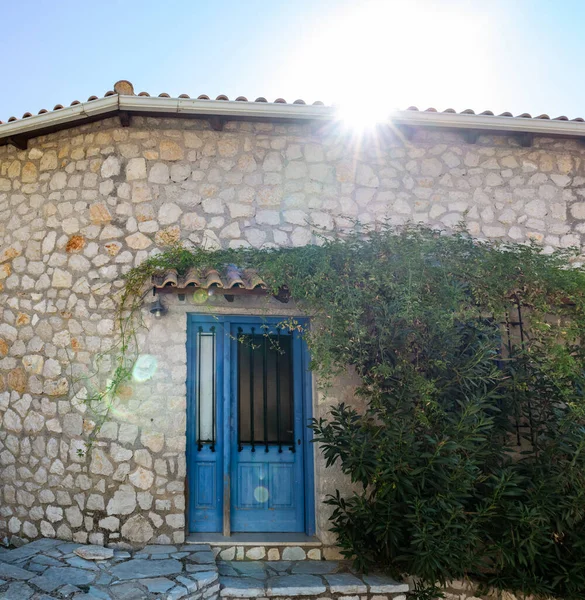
point(267, 470)
point(205, 439)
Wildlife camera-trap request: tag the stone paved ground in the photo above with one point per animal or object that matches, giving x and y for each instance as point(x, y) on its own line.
point(52, 569)
point(282, 579)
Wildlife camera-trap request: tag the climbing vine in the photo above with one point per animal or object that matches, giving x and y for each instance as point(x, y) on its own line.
point(469, 458)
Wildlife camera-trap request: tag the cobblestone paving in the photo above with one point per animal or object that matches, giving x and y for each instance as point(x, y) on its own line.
point(52, 569)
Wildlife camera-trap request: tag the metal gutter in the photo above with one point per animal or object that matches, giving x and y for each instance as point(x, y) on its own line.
point(68, 117)
point(489, 123)
point(64, 117)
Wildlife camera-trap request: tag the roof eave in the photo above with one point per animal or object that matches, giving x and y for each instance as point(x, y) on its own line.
point(187, 107)
point(490, 123)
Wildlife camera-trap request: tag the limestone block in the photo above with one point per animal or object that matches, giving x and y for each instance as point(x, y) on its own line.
point(293, 553)
point(110, 523)
point(143, 458)
point(12, 422)
point(110, 167)
point(138, 529)
point(138, 241)
point(127, 433)
point(99, 214)
point(256, 553)
point(100, 465)
point(136, 169)
point(141, 478)
point(123, 501)
point(33, 423)
point(94, 552)
point(170, 150)
point(61, 279)
point(159, 173)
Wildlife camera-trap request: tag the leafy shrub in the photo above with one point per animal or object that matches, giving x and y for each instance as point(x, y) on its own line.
point(470, 454)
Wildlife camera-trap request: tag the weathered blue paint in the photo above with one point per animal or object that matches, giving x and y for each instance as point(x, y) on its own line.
point(268, 491)
point(205, 474)
point(267, 488)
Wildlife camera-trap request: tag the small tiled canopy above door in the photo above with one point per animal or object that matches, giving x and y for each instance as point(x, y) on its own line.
point(230, 281)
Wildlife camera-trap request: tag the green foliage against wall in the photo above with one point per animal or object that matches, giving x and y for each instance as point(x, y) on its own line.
point(447, 491)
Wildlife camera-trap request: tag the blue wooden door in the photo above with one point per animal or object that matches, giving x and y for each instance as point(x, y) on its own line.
point(206, 346)
point(267, 478)
point(247, 437)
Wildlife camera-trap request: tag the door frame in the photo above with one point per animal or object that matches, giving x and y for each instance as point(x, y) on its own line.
point(225, 417)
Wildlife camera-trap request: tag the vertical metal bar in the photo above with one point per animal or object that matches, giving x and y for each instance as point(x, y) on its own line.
point(199, 444)
point(239, 385)
point(265, 390)
point(291, 393)
point(278, 350)
point(252, 391)
point(212, 447)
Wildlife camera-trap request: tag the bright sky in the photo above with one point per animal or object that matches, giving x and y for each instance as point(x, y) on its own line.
point(516, 55)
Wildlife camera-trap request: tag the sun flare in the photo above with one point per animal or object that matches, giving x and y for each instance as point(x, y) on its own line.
point(384, 55)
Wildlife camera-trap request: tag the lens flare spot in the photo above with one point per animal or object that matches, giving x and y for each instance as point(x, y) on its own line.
point(145, 368)
point(261, 494)
point(200, 296)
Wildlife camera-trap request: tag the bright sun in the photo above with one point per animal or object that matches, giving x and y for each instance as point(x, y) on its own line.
point(383, 55)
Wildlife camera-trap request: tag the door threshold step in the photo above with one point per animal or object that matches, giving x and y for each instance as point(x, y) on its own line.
point(255, 539)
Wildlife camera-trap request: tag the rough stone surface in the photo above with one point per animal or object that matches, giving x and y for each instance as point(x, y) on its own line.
point(80, 207)
point(57, 570)
point(94, 552)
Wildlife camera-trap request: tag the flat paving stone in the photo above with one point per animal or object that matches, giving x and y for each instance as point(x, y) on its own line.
point(17, 591)
point(98, 593)
point(43, 559)
point(202, 558)
point(190, 584)
point(242, 587)
point(157, 585)
point(55, 577)
point(225, 569)
point(345, 583)
point(295, 585)
point(13, 572)
point(195, 548)
point(81, 563)
point(278, 565)
point(315, 567)
point(250, 569)
point(177, 592)
point(160, 549)
point(126, 591)
point(68, 547)
point(93, 552)
point(141, 567)
point(382, 584)
point(29, 550)
point(68, 590)
point(204, 578)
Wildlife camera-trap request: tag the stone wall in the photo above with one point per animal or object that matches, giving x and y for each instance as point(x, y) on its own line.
point(79, 208)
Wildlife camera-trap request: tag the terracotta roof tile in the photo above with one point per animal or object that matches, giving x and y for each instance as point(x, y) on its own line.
point(124, 87)
point(231, 277)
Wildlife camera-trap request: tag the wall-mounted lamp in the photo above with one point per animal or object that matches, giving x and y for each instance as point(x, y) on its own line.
point(157, 308)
